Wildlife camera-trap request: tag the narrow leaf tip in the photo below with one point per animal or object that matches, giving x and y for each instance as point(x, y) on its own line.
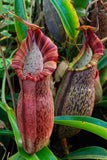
point(32, 26)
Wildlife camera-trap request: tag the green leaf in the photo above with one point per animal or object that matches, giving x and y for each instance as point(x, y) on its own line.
point(1, 7)
point(53, 22)
point(20, 11)
point(93, 125)
point(68, 17)
point(80, 3)
point(8, 63)
point(12, 120)
point(102, 102)
point(27, 156)
point(80, 11)
point(46, 154)
point(9, 28)
point(93, 152)
point(3, 106)
point(6, 132)
point(8, 1)
point(9, 97)
point(102, 61)
point(16, 157)
point(8, 25)
point(80, 6)
point(5, 33)
point(43, 154)
point(3, 116)
point(103, 75)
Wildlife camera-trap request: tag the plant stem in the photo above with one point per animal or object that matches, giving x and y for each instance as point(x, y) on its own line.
point(3, 18)
point(104, 40)
point(9, 82)
point(3, 91)
point(68, 50)
point(31, 11)
point(13, 53)
point(39, 18)
point(1, 144)
point(76, 45)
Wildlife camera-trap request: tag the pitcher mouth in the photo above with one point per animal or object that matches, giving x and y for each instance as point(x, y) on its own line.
point(91, 51)
point(36, 58)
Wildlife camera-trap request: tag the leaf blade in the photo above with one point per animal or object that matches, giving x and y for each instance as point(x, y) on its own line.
point(102, 61)
point(68, 17)
point(81, 3)
point(6, 132)
point(45, 154)
point(92, 152)
point(20, 11)
point(1, 7)
point(90, 124)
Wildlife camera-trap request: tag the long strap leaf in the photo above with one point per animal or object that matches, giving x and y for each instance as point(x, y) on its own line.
point(90, 124)
point(68, 17)
point(20, 11)
point(92, 152)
